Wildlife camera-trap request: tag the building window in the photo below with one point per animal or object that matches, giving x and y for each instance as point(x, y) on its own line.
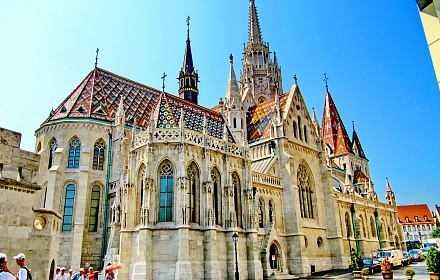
point(261, 213)
point(235, 122)
point(425, 218)
point(53, 144)
point(306, 195)
point(271, 211)
point(373, 228)
point(166, 193)
point(299, 128)
point(237, 198)
point(74, 153)
point(416, 218)
point(68, 207)
point(192, 174)
point(217, 197)
point(406, 219)
point(94, 209)
point(98, 155)
point(305, 134)
point(347, 224)
point(295, 132)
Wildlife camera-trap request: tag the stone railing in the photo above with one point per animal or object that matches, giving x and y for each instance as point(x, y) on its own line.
point(264, 179)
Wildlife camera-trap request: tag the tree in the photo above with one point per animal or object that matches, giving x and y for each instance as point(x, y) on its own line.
point(436, 233)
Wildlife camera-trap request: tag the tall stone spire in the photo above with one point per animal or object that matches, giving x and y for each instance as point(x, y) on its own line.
point(254, 34)
point(188, 77)
point(389, 194)
point(232, 90)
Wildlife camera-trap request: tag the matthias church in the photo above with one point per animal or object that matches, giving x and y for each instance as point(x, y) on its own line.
point(170, 189)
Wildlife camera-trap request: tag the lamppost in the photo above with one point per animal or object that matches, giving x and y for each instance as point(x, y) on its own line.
point(235, 239)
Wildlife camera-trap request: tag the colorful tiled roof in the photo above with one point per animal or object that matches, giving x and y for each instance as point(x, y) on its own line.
point(258, 118)
point(357, 143)
point(333, 130)
point(99, 94)
point(360, 177)
point(411, 211)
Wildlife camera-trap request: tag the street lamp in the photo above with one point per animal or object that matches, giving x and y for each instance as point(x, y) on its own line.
point(235, 239)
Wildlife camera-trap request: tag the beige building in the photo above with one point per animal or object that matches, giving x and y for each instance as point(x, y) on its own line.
point(429, 14)
point(161, 184)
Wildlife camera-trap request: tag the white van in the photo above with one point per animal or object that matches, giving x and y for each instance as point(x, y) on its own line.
point(395, 256)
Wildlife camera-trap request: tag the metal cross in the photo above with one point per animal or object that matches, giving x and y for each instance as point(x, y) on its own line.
point(352, 123)
point(325, 80)
point(163, 81)
point(187, 21)
point(295, 79)
point(96, 58)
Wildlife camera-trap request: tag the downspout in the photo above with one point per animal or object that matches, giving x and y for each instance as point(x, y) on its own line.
point(107, 183)
point(376, 216)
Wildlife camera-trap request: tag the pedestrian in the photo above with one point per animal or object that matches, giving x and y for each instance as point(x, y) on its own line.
point(78, 275)
point(374, 254)
point(63, 275)
point(23, 273)
point(5, 273)
point(71, 272)
point(110, 275)
point(92, 274)
point(57, 271)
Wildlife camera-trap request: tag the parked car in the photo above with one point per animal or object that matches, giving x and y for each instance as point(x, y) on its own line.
point(425, 252)
point(373, 265)
point(406, 258)
point(416, 255)
point(395, 257)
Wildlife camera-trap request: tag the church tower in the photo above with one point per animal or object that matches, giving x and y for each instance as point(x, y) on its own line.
point(188, 77)
point(260, 76)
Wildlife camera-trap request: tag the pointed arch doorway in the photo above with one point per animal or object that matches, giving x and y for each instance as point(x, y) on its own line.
point(274, 257)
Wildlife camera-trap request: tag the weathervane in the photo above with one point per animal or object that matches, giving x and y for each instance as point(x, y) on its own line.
point(96, 58)
point(163, 81)
point(325, 80)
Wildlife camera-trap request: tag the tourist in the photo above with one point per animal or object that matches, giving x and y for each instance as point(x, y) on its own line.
point(78, 275)
point(23, 273)
point(92, 274)
point(110, 275)
point(71, 273)
point(63, 275)
point(374, 254)
point(5, 273)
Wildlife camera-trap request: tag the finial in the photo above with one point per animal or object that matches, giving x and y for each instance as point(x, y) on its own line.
point(163, 81)
point(187, 24)
point(96, 58)
point(231, 58)
point(325, 80)
point(295, 79)
point(352, 123)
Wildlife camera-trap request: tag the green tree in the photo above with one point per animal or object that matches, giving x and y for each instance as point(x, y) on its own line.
point(436, 233)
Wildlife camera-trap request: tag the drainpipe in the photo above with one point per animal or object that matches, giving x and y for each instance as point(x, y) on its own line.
point(107, 183)
point(376, 216)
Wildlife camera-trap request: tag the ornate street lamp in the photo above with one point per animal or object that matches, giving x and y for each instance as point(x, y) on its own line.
point(235, 239)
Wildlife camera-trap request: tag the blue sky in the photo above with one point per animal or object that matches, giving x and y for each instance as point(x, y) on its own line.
point(374, 53)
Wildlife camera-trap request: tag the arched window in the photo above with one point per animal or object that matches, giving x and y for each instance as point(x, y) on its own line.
point(347, 224)
point(192, 174)
point(53, 144)
point(261, 213)
point(373, 228)
point(98, 155)
point(74, 153)
point(306, 195)
point(361, 225)
point(235, 122)
point(166, 192)
point(140, 192)
point(94, 209)
point(295, 130)
point(216, 195)
point(271, 211)
point(273, 258)
point(305, 134)
point(299, 128)
point(69, 202)
point(237, 197)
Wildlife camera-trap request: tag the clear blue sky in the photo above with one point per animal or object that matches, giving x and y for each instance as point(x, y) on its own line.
point(374, 53)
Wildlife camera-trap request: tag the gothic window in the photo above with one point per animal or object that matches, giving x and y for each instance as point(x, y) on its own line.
point(299, 128)
point(373, 228)
point(271, 211)
point(53, 144)
point(166, 193)
point(306, 195)
point(295, 132)
point(94, 209)
point(305, 134)
point(347, 224)
point(140, 192)
point(261, 213)
point(98, 155)
point(69, 202)
point(216, 195)
point(74, 153)
point(192, 174)
point(235, 122)
point(237, 197)
point(361, 222)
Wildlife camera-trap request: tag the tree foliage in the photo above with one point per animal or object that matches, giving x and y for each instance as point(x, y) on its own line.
point(356, 260)
point(436, 233)
point(433, 260)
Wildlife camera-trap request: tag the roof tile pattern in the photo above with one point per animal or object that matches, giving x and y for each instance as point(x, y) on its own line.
point(357, 143)
point(412, 211)
point(333, 130)
point(360, 177)
point(259, 116)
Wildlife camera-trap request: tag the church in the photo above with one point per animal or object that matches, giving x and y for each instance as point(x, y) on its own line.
point(170, 189)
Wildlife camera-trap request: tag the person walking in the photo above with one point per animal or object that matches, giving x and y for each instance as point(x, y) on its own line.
point(78, 275)
point(23, 273)
point(63, 275)
point(374, 254)
point(5, 273)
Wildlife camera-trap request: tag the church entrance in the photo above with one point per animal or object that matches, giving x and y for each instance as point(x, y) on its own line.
point(273, 257)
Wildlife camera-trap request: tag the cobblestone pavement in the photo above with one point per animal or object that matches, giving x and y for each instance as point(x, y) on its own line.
point(419, 267)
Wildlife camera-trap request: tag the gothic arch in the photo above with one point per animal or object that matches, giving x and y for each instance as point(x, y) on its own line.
point(193, 192)
point(236, 185)
point(99, 148)
point(217, 197)
point(261, 212)
point(306, 191)
point(165, 197)
point(140, 190)
point(52, 146)
point(74, 153)
point(272, 211)
point(347, 225)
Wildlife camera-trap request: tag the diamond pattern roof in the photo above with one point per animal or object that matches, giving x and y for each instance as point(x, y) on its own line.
point(259, 116)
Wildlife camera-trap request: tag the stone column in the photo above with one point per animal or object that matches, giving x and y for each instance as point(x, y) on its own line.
point(183, 265)
point(212, 266)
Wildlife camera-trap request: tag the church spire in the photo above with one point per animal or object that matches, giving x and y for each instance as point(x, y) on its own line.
point(232, 90)
point(188, 77)
point(254, 35)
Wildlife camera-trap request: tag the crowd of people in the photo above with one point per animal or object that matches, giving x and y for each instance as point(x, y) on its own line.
point(86, 273)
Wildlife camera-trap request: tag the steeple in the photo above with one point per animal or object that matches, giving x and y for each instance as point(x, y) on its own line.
point(188, 77)
point(357, 147)
point(232, 90)
point(254, 34)
point(389, 194)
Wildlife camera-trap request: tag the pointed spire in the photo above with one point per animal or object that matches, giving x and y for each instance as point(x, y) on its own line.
point(389, 194)
point(232, 90)
point(357, 144)
point(120, 114)
point(188, 65)
point(275, 59)
point(254, 35)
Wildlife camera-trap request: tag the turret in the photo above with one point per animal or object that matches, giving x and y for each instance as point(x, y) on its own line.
point(389, 194)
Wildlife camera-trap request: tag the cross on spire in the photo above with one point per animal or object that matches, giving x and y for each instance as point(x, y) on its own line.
point(325, 80)
point(295, 79)
point(96, 58)
point(187, 24)
point(352, 123)
point(163, 81)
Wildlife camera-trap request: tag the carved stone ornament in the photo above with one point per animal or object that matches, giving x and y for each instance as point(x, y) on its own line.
point(182, 181)
point(249, 193)
point(207, 186)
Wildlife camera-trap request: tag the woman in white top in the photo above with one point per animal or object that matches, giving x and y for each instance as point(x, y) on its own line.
point(5, 273)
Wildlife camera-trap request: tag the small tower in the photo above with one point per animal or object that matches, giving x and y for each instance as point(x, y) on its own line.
point(188, 77)
point(389, 194)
